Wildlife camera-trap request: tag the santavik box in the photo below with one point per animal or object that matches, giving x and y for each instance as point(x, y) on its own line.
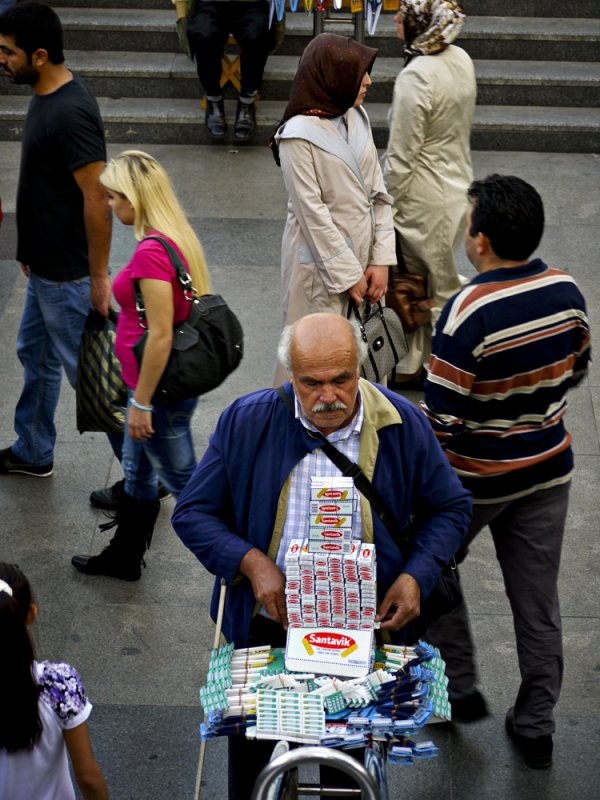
point(329, 651)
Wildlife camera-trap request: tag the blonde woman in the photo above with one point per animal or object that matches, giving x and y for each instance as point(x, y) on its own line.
point(158, 441)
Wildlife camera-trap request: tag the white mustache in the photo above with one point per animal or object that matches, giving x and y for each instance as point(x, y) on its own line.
point(321, 407)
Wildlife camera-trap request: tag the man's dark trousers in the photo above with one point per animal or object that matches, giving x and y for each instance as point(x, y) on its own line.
point(208, 28)
point(528, 534)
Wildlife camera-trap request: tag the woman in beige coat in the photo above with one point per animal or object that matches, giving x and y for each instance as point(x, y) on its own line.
point(427, 165)
point(339, 237)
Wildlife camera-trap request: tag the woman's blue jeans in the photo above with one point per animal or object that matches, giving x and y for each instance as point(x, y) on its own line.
point(167, 456)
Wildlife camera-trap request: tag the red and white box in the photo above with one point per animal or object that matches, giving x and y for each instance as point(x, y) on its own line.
point(343, 521)
point(319, 546)
point(331, 489)
point(342, 508)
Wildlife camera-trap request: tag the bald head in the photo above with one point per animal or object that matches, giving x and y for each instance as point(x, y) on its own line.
point(319, 332)
point(322, 355)
point(317, 335)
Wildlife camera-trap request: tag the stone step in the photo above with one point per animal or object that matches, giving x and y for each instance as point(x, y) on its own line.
point(153, 30)
point(168, 121)
point(509, 8)
point(532, 8)
point(174, 76)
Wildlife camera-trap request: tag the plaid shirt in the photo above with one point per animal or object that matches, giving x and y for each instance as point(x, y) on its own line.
point(347, 441)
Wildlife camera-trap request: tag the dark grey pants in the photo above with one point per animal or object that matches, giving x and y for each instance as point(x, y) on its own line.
point(527, 535)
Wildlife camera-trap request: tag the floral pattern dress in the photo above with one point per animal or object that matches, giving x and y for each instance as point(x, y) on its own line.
point(43, 772)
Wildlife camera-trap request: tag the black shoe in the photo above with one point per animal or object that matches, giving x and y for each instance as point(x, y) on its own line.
point(216, 124)
point(245, 122)
point(108, 498)
point(536, 750)
point(11, 465)
point(111, 563)
point(469, 709)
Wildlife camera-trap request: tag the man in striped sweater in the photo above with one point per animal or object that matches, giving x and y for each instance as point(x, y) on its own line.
point(507, 348)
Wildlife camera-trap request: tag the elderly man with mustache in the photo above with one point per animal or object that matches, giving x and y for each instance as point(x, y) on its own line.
point(249, 496)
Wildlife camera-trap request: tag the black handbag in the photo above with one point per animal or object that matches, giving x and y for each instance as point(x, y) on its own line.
point(381, 330)
point(446, 595)
point(207, 347)
point(100, 394)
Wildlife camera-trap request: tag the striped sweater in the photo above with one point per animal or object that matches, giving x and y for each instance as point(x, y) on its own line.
point(507, 348)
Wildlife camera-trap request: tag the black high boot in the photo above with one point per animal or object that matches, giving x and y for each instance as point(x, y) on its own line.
point(124, 556)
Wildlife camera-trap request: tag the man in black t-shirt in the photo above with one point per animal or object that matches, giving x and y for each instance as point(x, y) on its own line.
point(63, 226)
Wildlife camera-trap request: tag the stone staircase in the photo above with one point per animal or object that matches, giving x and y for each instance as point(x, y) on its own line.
point(538, 74)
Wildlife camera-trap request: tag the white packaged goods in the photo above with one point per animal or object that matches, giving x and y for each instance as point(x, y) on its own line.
point(334, 489)
point(251, 691)
point(343, 507)
point(326, 588)
point(329, 534)
point(318, 546)
point(323, 536)
point(331, 521)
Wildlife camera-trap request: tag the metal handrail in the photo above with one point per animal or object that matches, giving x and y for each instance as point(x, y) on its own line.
point(314, 755)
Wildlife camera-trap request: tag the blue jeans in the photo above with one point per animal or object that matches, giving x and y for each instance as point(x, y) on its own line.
point(168, 455)
point(48, 339)
point(52, 322)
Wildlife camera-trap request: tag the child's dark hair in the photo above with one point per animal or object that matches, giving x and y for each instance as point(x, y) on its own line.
point(20, 723)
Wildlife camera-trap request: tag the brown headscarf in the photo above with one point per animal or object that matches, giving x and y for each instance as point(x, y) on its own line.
point(430, 25)
point(327, 80)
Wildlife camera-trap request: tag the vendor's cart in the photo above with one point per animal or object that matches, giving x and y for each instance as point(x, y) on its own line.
point(279, 779)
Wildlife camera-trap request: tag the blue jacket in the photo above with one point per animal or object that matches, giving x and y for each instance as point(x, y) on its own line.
point(229, 505)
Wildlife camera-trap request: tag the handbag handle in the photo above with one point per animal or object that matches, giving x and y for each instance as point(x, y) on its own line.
point(350, 469)
point(352, 307)
point(185, 279)
point(356, 309)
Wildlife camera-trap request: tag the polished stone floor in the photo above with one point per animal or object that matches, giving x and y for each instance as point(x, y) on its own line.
point(142, 648)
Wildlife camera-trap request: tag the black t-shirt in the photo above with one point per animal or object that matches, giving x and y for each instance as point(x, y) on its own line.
point(63, 132)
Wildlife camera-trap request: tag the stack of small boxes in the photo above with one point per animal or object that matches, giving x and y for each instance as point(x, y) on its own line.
point(331, 517)
point(331, 583)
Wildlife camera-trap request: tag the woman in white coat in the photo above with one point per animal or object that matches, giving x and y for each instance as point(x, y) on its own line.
point(427, 165)
point(339, 237)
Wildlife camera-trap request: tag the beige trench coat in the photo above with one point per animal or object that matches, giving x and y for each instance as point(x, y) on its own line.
point(427, 168)
point(337, 225)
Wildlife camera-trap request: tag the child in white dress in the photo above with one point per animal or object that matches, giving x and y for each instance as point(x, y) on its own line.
point(44, 710)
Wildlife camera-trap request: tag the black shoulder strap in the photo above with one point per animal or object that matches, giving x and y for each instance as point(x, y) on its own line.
point(176, 262)
point(350, 469)
point(182, 274)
